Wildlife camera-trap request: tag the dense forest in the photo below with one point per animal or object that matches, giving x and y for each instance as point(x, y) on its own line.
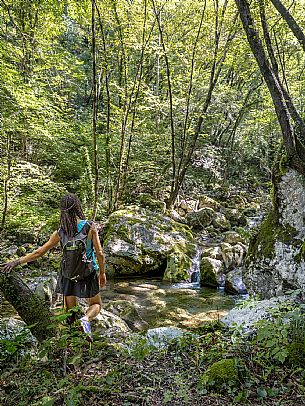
point(180, 126)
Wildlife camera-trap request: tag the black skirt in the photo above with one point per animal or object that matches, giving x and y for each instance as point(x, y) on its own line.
point(86, 288)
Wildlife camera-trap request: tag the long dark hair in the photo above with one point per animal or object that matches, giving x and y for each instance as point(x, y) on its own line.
point(70, 209)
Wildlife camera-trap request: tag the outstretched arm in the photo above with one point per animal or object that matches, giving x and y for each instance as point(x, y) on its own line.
point(54, 239)
point(93, 234)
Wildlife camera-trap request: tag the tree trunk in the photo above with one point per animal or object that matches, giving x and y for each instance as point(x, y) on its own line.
point(6, 180)
point(94, 112)
point(294, 150)
point(293, 25)
point(33, 311)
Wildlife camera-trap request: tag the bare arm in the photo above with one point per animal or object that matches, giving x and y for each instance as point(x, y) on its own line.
point(93, 234)
point(53, 240)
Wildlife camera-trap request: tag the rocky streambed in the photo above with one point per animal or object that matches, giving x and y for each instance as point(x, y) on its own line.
point(176, 268)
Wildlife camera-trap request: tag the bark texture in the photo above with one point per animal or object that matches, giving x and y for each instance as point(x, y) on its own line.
point(33, 311)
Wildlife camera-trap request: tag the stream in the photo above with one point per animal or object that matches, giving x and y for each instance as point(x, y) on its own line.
point(184, 305)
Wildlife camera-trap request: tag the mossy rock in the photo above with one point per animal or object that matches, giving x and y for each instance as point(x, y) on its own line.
point(201, 218)
point(271, 230)
point(138, 241)
point(221, 222)
point(211, 272)
point(223, 372)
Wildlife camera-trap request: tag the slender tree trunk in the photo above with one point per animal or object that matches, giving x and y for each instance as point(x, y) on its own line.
point(7, 179)
point(33, 311)
point(94, 111)
point(108, 115)
point(170, 93)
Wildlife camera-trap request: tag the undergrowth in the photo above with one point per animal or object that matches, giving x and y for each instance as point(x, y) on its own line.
point(203, 367)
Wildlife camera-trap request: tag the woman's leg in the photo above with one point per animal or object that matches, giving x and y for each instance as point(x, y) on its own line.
point(94, 307)
point(70, 302)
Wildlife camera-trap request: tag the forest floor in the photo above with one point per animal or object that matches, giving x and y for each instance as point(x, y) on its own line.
point(127, 371)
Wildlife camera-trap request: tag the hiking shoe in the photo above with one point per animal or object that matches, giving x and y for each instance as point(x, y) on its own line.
point(87, 329)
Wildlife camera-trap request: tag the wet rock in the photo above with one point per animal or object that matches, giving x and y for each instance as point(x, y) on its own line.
point(127, 312)
point(201, 218)
point(211, 272)
point(139, 241)
point(234, 282)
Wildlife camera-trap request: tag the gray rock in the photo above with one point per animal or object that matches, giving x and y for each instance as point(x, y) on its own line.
point(201, 218)
point(9, 251)
point(205, 201)
point(212, 252)
point(231, 237)
point(46, 291)
point(275, 262)
point(161, 336)
point(232, 255)
point(211, 272)
point(234, 282)
point(109, 322)
point(128, 312)
point(221, 222)
point(244, 317)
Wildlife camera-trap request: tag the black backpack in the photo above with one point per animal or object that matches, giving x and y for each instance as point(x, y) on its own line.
point(75, 265)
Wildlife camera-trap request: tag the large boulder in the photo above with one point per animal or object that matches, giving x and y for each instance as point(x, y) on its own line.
point(211, 272)
point(138, 241)
point(232, 255)
point(275, 261)
point(127, 311)
point(244, 318)
point(234, 282)
point(201, 218)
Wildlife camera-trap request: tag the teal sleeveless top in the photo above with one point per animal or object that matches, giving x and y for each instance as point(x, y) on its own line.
point(89, 249)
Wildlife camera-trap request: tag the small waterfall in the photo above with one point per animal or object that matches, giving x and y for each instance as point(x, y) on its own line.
point(195, 268)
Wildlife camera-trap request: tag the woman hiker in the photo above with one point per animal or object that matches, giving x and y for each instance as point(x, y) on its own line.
point(80, 276)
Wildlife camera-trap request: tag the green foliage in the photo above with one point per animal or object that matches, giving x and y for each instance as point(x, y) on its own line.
point(281, 338)
point(12, 349)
